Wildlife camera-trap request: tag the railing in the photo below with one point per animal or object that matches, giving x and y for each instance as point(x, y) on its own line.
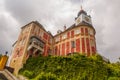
point(35, 45)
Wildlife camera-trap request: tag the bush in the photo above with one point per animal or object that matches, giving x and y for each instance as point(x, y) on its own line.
point(114, 78)
point(28, 74)
point(45, 76)
point(73, 67)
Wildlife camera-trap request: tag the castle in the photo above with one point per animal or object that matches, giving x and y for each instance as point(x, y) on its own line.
point(34, 40)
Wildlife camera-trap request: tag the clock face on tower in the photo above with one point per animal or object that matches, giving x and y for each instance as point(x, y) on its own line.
point(78, 21)
point(87, 19)
point(83, 18)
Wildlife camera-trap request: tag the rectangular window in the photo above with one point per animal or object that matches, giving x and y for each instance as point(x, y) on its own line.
point(41, 45)
point(77, 45)
point(41, 33)
point(72, 33)
point(64, 36)
point(92, 42)
point(50, 40)
point(49, 51)
point(36, 31)
point(67, 47)
point(33, 29)
point(57, 39)
point(23, 41)
point(60, 38)
point(45, 50)
point(20, 42)
point(21, 51)
point(45, 36)
point(83, 45)
point(82, 31)
point(77, 31)
point(86, 31)
point(93, 49)
point(63, 49)
point(68, 35)
point(88, 47)
point(73, 44)
point(59, 49)
point(91, 32)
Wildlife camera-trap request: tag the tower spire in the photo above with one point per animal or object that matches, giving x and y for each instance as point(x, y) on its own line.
point(81, 7)
point(81, 11)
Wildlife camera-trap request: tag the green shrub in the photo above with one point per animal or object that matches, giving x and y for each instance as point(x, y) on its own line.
point(45, 76)
point(73, 67)
point(114, 78)
point(28, 74)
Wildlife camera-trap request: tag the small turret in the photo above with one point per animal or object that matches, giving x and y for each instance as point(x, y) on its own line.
point(59, 31)
point(64, 27)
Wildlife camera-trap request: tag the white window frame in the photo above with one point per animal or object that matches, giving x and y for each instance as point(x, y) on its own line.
point(57, 39)
point(64, 36)
point(91, 32)
point(77, 31)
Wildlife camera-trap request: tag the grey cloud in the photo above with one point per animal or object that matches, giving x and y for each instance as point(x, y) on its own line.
point(7, 32)
point(107, 16)
point(4, 40)
point(54, 14)
point(26, 11)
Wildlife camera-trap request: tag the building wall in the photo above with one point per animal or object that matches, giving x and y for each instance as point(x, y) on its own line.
point(20, 48)
point(79, 39)
point(20, 53)
point(44, 36)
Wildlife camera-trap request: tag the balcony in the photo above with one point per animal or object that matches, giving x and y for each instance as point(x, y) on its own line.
point(36, 46)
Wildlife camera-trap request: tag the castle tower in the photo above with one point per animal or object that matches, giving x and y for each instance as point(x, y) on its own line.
point(80, 37)
point(33, 41)
point(88, 41)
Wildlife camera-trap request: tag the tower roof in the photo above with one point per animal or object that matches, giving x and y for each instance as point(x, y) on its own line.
point(82, 12)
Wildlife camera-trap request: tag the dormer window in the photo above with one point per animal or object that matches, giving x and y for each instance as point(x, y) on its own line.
point(64, 36)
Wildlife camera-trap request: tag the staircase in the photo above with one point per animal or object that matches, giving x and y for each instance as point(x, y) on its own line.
point(6, 75)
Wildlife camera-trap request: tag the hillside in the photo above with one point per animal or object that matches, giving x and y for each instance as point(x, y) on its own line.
point(75, 67)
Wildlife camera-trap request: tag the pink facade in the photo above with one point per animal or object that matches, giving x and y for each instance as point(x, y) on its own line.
point(34, 40)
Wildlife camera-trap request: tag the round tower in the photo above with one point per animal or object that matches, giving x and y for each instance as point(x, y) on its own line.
point(88, 41)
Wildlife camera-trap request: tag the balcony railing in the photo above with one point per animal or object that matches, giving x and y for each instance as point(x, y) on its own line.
point(36, 46)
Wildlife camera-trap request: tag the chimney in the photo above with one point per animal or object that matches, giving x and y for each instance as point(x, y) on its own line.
point(64, 27)
point(59, 31)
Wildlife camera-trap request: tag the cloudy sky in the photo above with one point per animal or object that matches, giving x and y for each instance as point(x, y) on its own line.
point(54, 14)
